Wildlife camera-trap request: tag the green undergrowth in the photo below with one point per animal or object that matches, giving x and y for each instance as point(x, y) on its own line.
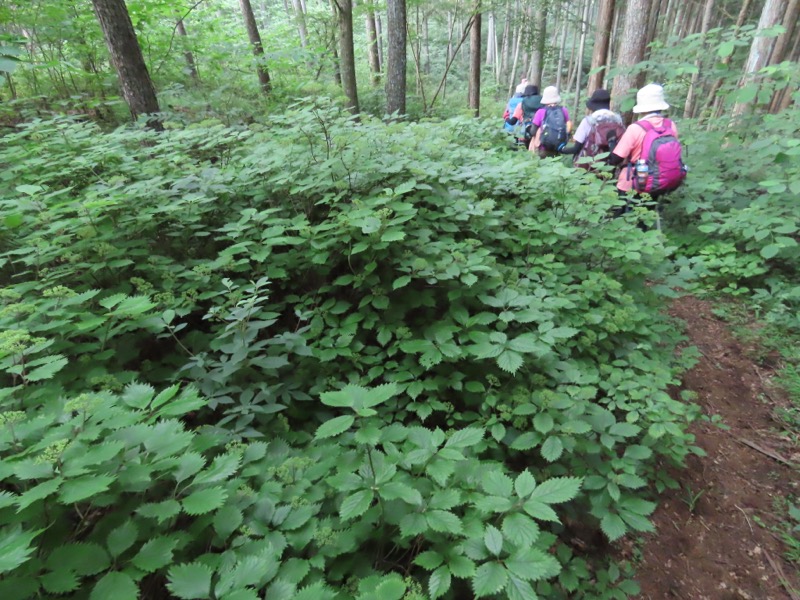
point(323, 359)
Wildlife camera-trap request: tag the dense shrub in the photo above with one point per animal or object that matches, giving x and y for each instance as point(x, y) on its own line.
point(397, 360)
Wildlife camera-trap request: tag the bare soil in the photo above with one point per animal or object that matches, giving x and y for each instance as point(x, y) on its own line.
point(724, 549)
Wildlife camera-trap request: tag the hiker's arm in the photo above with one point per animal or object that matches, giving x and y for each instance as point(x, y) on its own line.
point(615, 159)
point(571, 149)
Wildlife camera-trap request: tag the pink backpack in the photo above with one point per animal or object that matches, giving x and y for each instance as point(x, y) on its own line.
point(662, 151)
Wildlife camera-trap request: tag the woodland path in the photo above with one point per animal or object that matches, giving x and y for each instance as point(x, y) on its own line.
point(719, 551)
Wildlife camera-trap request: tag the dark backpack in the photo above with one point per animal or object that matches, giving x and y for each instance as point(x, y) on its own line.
point(605, 132)
point(662, 151)
point(554, 128)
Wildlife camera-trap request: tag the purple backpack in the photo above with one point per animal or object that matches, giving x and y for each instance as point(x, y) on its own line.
point(662, 151)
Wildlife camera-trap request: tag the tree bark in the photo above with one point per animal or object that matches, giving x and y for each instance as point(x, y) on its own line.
point(540, 33)
point(475, 62)
point(561, 48)
point(688, 107)
point(187, 53)
point(300, 17)
point(779, 52)
point(582, 48)
point(513, 78)
point(347, 57)
point(714, 94)
point(760, 48)
point(372, 49)
point(126, 56)
point(258, 49)
point(379, 31)
point(396, 63)
point(631, 52)
point(605, 18)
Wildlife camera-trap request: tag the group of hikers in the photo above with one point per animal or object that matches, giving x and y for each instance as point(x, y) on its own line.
point(647, 152)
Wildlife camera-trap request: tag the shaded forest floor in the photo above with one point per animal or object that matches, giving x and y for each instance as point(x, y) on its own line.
point(717, 535)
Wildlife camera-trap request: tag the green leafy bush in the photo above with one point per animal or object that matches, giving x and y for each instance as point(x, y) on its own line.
point(411, 363)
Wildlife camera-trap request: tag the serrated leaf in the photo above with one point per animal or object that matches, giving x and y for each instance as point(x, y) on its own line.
point(637, 522)
point(161, 511)
point(227, 520)
point(391, 587)
point(526, 441)
point(356, 396)
point(204, 501)
point(15, 547)
point(524, 484)
point(557, 490)
point(510, 361)
point(541, 511)
point(461, 566)
point(465, 438)
point(520, 530)
point(116, 585)
point(543, 422)
point(190, 582)
point(356, 504)
point(518, 589)
point(439, 582)
point(532, 564)
point(429, 560)
point(497, 483)
point(552, 448)
point(122, 538)
point(489, 579)
point(638, 506)
point(279, 590)
point(413, 524)
point(334, 427)
point(81, 488)
point(613, 526)
point(316, 591)
point(61, 581)
point(82, 558)
point(493, 540)
point(47, 370)
point(221, 469)
point(396, 489)
point(443, 521)
point(154, 554)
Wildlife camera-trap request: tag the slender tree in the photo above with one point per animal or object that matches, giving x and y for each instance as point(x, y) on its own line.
point(605, 18)
point(300, 18)
point(631, 50)
point(396, 63)
point(539, 38)
point(760, 49)
point(587, 4)
point(187, 53)
point(347, 60)
point(372, 37)
point(475, 62)
point(688, 107)
point(255, 41)
point(126, 56)
point(782, 50)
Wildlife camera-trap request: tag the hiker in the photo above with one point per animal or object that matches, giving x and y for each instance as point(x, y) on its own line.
point(551, 125)
point(649, 151)
point(598, 132)
point(513, 102)
point(523, 114)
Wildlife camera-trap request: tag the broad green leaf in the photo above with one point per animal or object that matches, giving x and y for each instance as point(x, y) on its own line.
point(443, 521)
point(540, 510)
point(613, 526)
point(116, 585)
point(122, 538)
point(154, 554)
point(493, 540)
point(356, 396)
point(391, 587)
point(204, 501)
point(334, 427)
point(439, 582)
point(465, 438)
point(489, 579)
point(543, 422)
point(46, 371)
point(552, 448)
point(509, 361)
point(532, 564)
point(725, 49)
point(227, 520)
point(520, 530)
point(497, 483)
point(429, 560)
point(15, 547)
point(396, 489)
point(524, 484)
point(770, 251)
point(81, 558)
point(356, 504)
point(81, 488)
point(190, 581)
point(461, 566)
point(557, 490)
point(60, 581)
point(519, 589)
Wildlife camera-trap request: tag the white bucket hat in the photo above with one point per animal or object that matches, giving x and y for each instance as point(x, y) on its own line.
point(550, 95)
point(521, 87)
point(650, 99)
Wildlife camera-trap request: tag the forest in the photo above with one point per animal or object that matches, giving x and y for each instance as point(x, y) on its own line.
point(286, 314)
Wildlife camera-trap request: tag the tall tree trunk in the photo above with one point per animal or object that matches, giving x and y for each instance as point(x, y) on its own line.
point(426, 64)
point(491, 46)
point(347, 57)
point(760, 49)
point(513, 78)
point(688, 107)
point(505, 48)
point(372, 37)
point(379, 32)
point(581, 50)
point(613, 44)
point(126, 56)
point(300, 17)
point(714, 94)
point(475, 62)
point(782, 45)
point(255, 41)
point(540, 33)
point(187, 53)
point(561, 48)
point(631, 52)
point(396, 65)
point(605, 18)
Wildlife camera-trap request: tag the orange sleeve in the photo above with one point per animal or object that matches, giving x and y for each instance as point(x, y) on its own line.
point(518, 112)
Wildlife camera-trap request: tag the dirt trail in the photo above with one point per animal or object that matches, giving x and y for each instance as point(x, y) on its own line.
point(719, 551)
